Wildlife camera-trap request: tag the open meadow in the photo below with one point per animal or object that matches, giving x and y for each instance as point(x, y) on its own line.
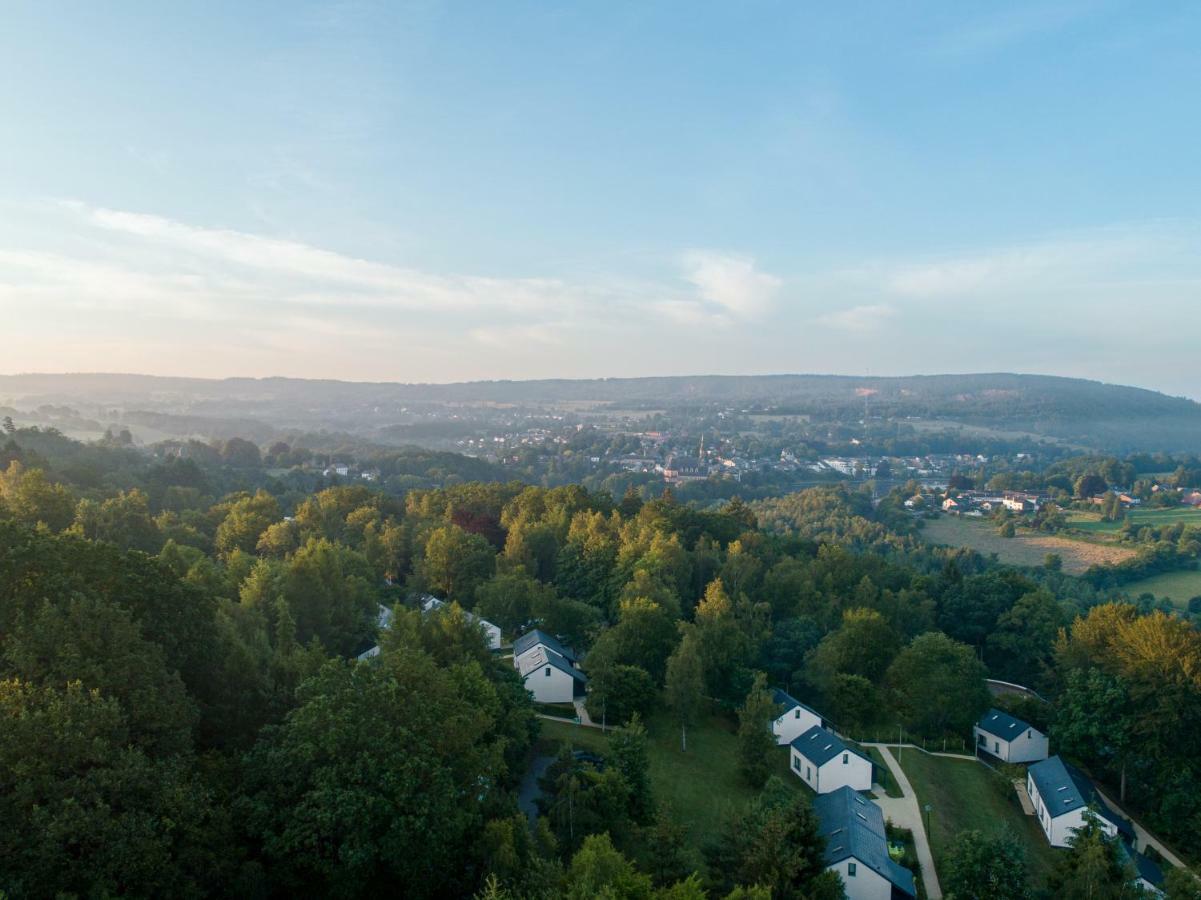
point(1024, 549)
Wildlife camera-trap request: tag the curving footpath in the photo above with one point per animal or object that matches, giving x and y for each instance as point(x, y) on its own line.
point(905, 812)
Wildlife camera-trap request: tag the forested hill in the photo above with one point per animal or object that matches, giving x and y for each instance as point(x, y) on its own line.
point(1104, 416)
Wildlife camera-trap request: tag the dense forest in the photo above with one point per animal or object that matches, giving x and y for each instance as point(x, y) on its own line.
point(184, 713)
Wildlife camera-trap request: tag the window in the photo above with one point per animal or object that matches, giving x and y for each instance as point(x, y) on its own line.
point(996, 747)
point(851, 869)
point(797, 714)
point(807, 774)
point(548, 671)
point(846, 757)
point(796, 763)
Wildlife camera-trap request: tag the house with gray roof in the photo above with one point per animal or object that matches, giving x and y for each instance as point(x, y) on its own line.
point(857, 847)
point(1062, 795)
point(823, 761)
point(1009, 739)
point(550, 677)
point(795, 719)
point(430, 603)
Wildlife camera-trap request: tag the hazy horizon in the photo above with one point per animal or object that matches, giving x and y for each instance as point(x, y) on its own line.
point(433, 192)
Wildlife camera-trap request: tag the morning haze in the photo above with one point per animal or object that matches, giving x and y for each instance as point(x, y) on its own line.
point(629, 450)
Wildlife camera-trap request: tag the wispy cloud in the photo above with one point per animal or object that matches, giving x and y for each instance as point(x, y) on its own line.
point(733, 283)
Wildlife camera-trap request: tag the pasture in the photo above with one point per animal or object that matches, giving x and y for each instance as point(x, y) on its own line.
point(1024, 549)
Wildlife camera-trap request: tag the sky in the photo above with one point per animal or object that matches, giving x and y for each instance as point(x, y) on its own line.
point(441, 191)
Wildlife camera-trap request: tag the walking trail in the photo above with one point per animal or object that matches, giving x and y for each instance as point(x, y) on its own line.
point(904, 812)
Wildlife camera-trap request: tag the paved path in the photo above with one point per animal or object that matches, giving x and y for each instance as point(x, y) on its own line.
point(530, 791)
point(904, 812)
point(1144, 836)
point(1024, 797)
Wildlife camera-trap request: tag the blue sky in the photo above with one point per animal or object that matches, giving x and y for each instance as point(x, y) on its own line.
point(439, 191)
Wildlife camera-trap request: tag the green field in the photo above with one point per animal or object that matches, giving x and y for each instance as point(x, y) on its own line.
point(1026, 549)
point(1179, 587)
point(966, 795)
point(1092, 522)
point(699, 785)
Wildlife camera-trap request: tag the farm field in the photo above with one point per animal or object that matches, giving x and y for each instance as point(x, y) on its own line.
point(699, 785)
point(1179, 587)
point(1024, 549)
point(965, 795)
point(1092, 522)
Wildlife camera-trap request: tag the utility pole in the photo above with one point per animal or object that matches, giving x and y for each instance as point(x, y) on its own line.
point(900, 739)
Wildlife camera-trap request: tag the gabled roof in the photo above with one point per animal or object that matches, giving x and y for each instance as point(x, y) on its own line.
point(537, 636)
point(1003, 725)
point(542, 656)
point(430, 603)
point(820, 746)
point(790, 703)
point(853, 827)
point(1065, 788)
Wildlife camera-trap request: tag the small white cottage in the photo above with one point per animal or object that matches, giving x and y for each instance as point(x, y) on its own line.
point(857, 848)
point(795, 720)
point(550, 677)
point(1009, 739)
point(821, 760)
point(1061, 796)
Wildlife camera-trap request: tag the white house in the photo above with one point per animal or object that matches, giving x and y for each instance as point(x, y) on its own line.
point(825, 763)
point(491, 632)
point(550, 677)
point(795, 720)
point(1010, 739)
point(857, 847)
point(1061, 796)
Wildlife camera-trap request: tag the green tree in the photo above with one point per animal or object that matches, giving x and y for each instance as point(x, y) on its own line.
point(938, 686)
point(246, 518)
point(1093, 867)
point(756, 744)
point(865, 644)
point(598, 871)
point(456, 562)
point(774, 842)
point(981, 867)
point(617, 692)
point(365, 781)
point(31, 499)
point(685, 683)
point(628, 754)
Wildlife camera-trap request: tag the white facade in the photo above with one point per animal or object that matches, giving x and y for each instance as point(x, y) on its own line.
point(1030, 745)
point(865, 883)
point(846, 768)
point(1058, 828)
point(794, 723)
point(547, 676)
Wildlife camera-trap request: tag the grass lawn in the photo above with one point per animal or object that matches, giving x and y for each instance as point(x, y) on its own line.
point(965, 795)
point(1179, 587)
point(699, 785)
point(558, 710)
point(883, 773)
point(1026, 548)
point(1168, 516)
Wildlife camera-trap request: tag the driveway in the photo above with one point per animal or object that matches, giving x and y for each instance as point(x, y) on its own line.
point(904, 812)
point(529, 792)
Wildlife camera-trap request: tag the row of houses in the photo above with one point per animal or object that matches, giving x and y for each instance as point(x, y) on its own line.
point(851, 825)
point(983, 502)
point(1061, 796)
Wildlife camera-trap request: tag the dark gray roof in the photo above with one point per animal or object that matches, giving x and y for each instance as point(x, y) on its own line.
point(820, 746)
point(538, 636)
point(1003, 725)
point(1065, 788)
point(1148, 869)
point(854, 827)
point(790, 702)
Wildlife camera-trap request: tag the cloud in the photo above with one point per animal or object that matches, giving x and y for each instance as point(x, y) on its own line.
point(731, 282)
point(869, 317)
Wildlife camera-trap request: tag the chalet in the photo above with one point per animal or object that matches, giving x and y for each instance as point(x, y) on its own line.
point(1009, 739)
point(549, 676)
point(383, 619)
point(795, 720)
point(491, 632)
point(1147, 873)
point(857, 848)
point(1061, 795)
point(825, 763)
